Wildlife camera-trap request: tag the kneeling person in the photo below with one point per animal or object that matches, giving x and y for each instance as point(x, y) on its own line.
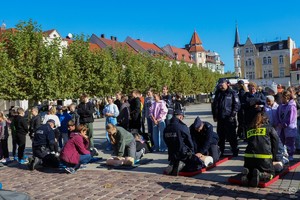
point(43, 146)
point(205, 140)
point(180, 147)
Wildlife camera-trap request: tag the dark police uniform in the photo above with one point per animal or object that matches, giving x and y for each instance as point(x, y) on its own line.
point(224, 108)
point(180, 145)
point(205, 141)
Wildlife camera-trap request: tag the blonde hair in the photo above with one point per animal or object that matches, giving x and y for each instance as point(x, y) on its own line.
point(81, 128)
point(52, 110)
point(111, 129)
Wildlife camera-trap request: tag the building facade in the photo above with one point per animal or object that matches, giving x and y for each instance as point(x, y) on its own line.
point(263, 63)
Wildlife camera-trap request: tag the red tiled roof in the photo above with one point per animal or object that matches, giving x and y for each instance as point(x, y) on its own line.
point(148, 46)
point(180, 52)
point(295, 58)
point(93, 47)
point(196, 49)
point(114, 44)
point(195, 40)
point(47, 33)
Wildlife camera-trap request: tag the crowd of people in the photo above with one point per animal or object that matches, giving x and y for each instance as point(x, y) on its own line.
point(267, 120)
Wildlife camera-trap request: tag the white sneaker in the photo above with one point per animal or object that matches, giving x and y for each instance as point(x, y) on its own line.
point(3, 160)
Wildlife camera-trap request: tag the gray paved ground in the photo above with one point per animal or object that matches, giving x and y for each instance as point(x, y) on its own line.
point(145, 181)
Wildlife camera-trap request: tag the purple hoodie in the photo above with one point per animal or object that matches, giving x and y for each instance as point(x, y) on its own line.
point(159, 110)
point(287, 118)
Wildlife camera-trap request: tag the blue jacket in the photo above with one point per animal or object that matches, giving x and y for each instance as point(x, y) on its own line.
point(64, 118)
point(204, 139)
point(178, 139)
point(226, 104)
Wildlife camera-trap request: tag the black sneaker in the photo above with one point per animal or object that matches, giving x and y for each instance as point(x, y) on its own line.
point(244, 178)
point(265, 176)
point(255, 178)
point(33, 163)
point(236, 153)
point(178, 166)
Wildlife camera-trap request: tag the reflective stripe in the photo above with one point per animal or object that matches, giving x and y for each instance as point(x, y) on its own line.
point(262, 156)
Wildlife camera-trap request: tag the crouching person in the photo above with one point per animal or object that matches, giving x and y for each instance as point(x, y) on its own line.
point(75, 152)
point(205, 140)
point(123, 142)
point(261, 150)
point(44, 146)
point(180, 147)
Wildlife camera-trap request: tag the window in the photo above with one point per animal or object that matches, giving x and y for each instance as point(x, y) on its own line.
point(250, 75)
point(251, 50)
point(281, 72)
point(246, 63)
point(298, 76)
point(268, 73)
point(298, 65)
point(269, 60)
point(281, 59)
point(238, 63)
point(264, 60)
point(247, 50)
point(280, 46)
point(266, 48)
point(238, 52)
point(199, 55)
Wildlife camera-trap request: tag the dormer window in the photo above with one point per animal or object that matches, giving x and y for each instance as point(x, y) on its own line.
point(176, 56)
point(247, 50)
point(251, 49)
point(183, 56)
point(280, 46)
point(54, 35)
point(266, 48)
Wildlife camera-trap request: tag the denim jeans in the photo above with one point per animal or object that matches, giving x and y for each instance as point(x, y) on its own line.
point(84, 159)
point(158, 136)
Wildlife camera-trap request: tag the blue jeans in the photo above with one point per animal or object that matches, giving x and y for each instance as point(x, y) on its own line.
point(158, 136)
point(84, 159)
point(110, 120)
point(149, 124)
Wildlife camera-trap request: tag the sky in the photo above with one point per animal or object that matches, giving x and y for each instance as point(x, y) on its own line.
point(164, 22)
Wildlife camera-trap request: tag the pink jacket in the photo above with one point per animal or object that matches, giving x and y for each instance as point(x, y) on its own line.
point(159, 110)
point(76, 146)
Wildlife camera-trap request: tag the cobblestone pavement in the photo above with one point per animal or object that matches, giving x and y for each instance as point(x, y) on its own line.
point(144, 182)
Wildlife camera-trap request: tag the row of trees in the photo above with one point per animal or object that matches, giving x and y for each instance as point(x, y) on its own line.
point(31, 68)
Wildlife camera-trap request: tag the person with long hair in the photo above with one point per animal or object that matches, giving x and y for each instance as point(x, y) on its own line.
point(260, 152)
point(75, 152)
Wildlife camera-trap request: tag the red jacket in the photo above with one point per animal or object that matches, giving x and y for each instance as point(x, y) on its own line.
point(76, 146)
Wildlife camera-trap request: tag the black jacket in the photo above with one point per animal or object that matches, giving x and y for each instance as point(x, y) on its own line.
point(75, 118)
point(178, 139)
point(226, 104)
point(44, 136)
point(204, 139)
point(86, 111)
point(35, 123)
point(169, 103)
point(21, 125)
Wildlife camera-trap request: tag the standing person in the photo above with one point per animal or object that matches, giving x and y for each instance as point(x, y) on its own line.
point(64, 118)
point(86, 110)
point(240, 115)
point(158, 113)
point(118, 100)
point(169, 103)
point(4, 123)
point(135, 112)
point(178, 104)
point(253, 102)
point(180, 147)
point(111, 112)
point(224, 109)
point(260, 152)
point(44, 146)
point(74, 115)
point(21, 126)
point(205, 140)
point(149, 100)
point(123, 118)
point(287, 122)
point(35, 121)
point(75, 151)
point(13, 117)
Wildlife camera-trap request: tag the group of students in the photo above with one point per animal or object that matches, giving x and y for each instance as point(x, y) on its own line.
point(267, 120)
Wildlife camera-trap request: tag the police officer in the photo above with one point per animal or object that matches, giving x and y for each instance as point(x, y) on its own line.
point(224, 109)
point(240, 115)
point(205, 140)
point(44, 145)
point(180, 146)
point(260, 152)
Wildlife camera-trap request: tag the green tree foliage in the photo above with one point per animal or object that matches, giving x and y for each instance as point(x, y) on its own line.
point(33, 67)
